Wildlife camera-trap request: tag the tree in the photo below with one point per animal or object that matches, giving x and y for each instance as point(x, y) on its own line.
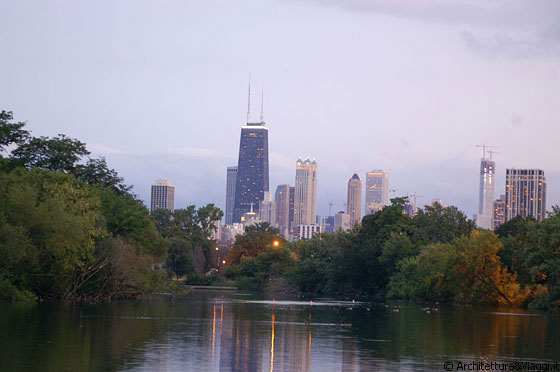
point(180, 260)
point(514, 236)
point(375, 230)
point(426, 276)
point(479, 274)
point(254, 241)
point(10, 132)
point(396, 248)
point(60, 154)
point(58, 216)
point(542, 255)
point(97, 172)
point(436, 224)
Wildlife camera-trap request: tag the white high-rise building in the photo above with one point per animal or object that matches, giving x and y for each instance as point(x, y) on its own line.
point(377, 191)
point(341, 221)
point(230, 193)
point(354, 200)
point(305, 194)
point(487, 194)
point(163, 195)
point(267, 209)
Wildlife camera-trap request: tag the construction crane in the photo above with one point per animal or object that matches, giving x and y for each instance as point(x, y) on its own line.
point(484, 151)
point(329, 200)
point(492, 152)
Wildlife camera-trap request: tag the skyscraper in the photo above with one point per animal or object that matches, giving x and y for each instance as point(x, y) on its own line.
point(486, 194)
point(252, 166)
point(525, 193)
point(305, 194)
point(341, 221)
point(230, 193)
point(354, 200)
point(267, 209)
point(499, 212)
point(377, 190)
point(282, 198)
point(163, 195)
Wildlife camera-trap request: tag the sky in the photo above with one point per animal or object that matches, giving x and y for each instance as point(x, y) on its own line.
point(159, 88)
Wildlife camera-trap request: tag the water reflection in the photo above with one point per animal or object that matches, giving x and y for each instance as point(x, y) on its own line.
point(213, 331)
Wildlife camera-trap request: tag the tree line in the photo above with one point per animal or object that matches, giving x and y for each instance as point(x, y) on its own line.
point(70, 228)
point(438, 255)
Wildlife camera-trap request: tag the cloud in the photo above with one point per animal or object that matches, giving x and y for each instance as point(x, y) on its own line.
point(102, 150)
point(504, 45)
point(537, 21)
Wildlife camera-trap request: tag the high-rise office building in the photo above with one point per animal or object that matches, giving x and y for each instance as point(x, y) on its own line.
point(163, 195)
point(377, 190)
point(252, 166)
point(292, 198)
point(486, 194)
point(307, 231)
point(525, 193)
point(499, 212)
point(354, 200)
point(341, 221)
point(305, 194)
point(230, 193)
point(282, 198)
point(267, 209)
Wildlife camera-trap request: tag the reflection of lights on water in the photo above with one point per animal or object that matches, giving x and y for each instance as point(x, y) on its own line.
point(213, 331)
point(272, 346)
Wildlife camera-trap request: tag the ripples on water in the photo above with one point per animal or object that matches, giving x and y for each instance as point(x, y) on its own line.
point(212, 331)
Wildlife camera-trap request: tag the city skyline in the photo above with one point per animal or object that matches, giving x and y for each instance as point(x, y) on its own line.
point(449, 76)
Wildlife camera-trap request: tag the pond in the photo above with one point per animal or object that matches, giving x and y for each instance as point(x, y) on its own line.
point(232, 331)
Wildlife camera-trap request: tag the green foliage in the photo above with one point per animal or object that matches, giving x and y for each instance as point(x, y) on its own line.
point(194, 227)
point(514, 236)
point(70, 229)
point(57, 216)
point(10, 132)
point(542, 255)
point(97, 172)
point(436, 224)
point(427, 276)
point(479, 275)
point(253, 242)
point(252, 273)
point(197, 279)
point(58, 154)
point(466, 271)
point(180, 259)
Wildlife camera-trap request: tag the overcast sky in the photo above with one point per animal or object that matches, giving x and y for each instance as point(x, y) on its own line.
point(408, 86)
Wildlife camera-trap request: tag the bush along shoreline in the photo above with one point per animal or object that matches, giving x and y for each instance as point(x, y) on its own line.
point(436, 256)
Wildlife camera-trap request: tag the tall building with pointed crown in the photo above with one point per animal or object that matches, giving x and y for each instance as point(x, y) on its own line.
point(252, 166)
point(354, 200)
point(305, 193)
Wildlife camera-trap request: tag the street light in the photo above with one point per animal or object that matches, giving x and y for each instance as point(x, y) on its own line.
point(276, 243)
point(224, 262)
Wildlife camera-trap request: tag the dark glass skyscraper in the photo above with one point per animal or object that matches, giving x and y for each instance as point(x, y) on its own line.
point(252, 169)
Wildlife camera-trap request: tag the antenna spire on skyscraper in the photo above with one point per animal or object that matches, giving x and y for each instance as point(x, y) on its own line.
point(249, 101)
point(262, 104)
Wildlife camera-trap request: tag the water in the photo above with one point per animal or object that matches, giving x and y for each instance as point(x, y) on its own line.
point(207, 331)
